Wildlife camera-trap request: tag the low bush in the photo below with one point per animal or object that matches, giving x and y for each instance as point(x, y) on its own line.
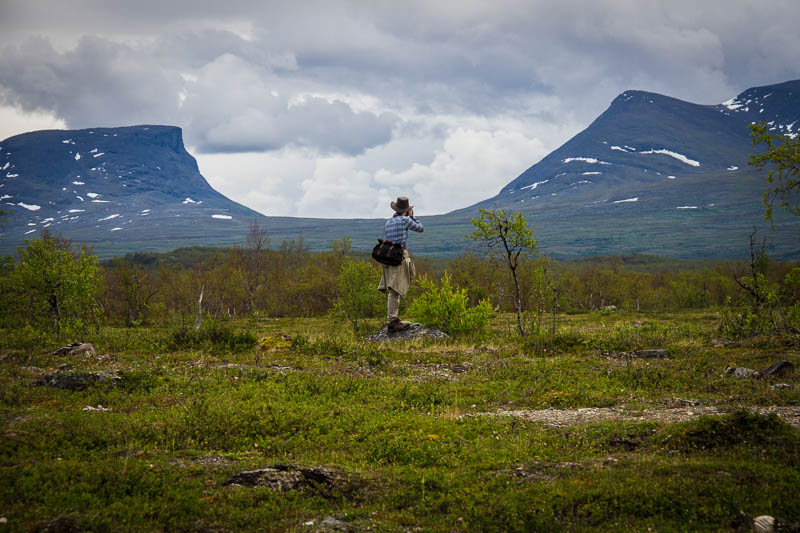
point(358, 297)
point(212, 335)
point(446, 308)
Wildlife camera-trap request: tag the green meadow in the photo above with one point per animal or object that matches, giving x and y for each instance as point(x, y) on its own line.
point(467, 433)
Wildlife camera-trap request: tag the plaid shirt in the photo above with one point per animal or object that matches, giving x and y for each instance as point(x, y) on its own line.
point(396, 229)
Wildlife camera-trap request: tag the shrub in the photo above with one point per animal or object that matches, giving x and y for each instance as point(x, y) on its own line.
point(50, 287)
point(358, 295)
point(212, 335)
point(446, 308)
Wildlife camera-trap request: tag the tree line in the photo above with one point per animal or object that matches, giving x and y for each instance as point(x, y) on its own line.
point(54, 286)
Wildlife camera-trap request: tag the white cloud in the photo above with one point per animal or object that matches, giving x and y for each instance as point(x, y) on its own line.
point(13, 121)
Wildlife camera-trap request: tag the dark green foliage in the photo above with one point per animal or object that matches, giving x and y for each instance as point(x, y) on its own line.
point(50, 288)
point(358, 297)
point(507, 236)
point(742, 429)
point(782, 158)
point(212, 335)
point(446, 308)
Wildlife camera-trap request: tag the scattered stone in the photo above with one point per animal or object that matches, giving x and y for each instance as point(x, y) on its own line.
point(763, 524)
point(741, 372)
point(675, 403)
point(80, 380)
point(562, 418)
point(780, 386)
point(98, 408)
point(213, 461)
point(62, 524)
point(414, 331)
point(609, 308)
point(652, 354)
point(779, 369)
point(287, 477)
point(77, 348)
point(282, 369)
point(658, 353)
point(330, 523)
point(722, 343)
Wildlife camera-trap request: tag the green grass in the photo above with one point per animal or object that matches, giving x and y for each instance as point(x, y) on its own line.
point(394, 420)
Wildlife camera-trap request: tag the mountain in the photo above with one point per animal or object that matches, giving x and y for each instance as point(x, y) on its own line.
point(652, 175)
point(123, 187)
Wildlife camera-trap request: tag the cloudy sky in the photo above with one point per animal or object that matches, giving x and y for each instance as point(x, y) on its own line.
point(333, 108)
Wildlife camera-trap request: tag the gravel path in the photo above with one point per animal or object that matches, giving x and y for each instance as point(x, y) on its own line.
point(572, 417)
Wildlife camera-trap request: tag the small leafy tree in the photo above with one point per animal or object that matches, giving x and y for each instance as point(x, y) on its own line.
point(783, 160)
point(511, 236)
point(55, 286)
point(447, 308)
point(131, 292)
point(358, 298)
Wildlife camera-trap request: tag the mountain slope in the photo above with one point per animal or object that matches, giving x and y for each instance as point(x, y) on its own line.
point(107, 186)
point(654, 174)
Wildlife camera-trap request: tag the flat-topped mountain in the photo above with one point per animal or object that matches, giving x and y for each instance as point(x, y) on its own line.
point(112, 186)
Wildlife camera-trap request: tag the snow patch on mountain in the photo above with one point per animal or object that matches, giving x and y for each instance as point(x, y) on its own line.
point(109, 217)
point(30, 207)
point(222, 217)
point(534, 185)
point(680, 157)
point(626, 200)
point(585, 160)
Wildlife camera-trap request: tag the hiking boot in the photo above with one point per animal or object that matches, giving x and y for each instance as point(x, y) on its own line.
point(395, 325)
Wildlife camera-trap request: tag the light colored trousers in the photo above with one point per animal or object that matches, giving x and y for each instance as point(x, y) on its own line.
point(393, 304)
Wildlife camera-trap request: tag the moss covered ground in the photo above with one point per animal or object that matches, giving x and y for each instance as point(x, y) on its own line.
point(406, 428)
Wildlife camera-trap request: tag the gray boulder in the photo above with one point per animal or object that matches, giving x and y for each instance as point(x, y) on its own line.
point(74, 381)
point(779, 369)
point(414, 331)
point(77, 348)
point(286, 477)
point(741, 372)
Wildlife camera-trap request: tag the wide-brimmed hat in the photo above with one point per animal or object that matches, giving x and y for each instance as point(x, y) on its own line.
point(401, 205)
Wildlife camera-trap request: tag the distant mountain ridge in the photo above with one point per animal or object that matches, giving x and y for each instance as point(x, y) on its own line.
point(652, 174)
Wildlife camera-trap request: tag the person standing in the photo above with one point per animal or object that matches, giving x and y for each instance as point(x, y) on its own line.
point(396, 280)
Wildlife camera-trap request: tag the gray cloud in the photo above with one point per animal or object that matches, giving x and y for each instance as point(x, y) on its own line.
point(98, 83)
point(220, 87)
point(418, 93)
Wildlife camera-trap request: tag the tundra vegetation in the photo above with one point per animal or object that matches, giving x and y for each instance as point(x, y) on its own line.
point(575, 425)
